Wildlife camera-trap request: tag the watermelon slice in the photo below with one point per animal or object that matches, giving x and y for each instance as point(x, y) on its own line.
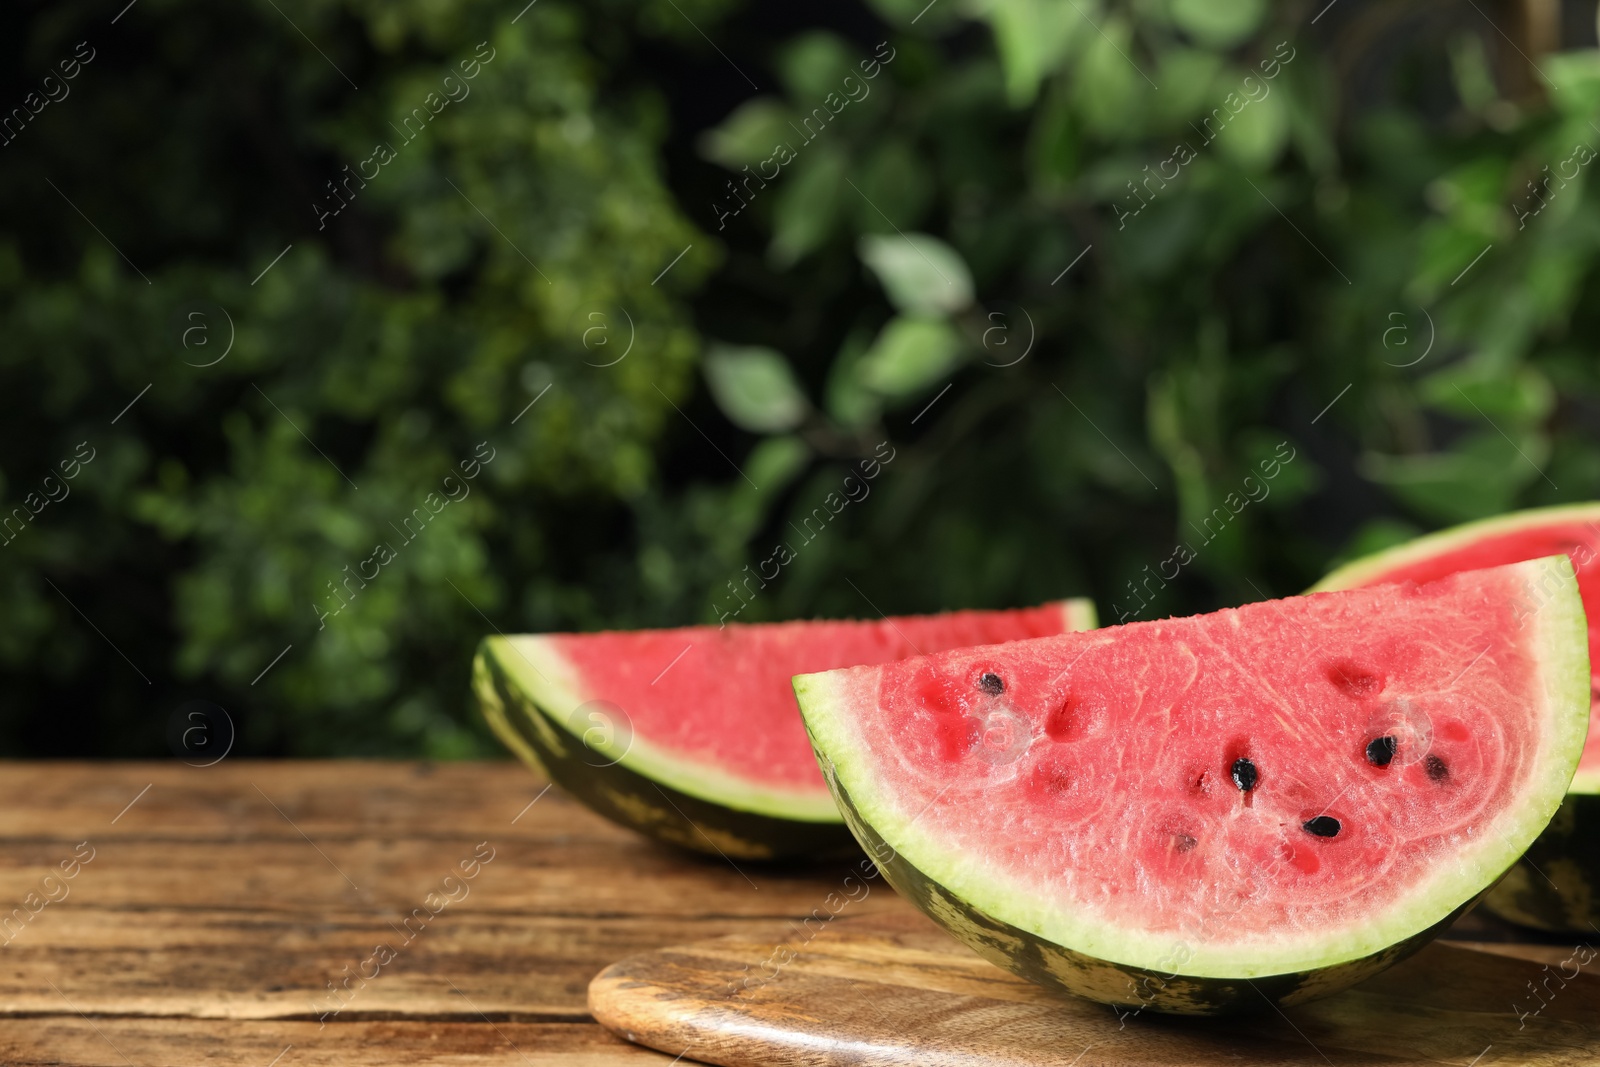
point(1199, 815)
point(1558, 886)
point(691, 735)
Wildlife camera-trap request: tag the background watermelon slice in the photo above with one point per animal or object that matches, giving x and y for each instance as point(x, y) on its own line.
point(1192, 815)
point(691, 735)
point(1559, 887)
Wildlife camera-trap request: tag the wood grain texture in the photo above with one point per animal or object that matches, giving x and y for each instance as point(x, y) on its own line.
point(220, 904)
point(896, 990)
point(113, 1042)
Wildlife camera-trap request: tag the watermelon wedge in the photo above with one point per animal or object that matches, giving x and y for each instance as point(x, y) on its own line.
point(690, 735)
point(1199, 815)
point(1558, 887)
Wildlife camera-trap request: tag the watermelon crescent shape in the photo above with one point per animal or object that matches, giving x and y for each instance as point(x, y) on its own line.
point(691, 736)
point(1201, 815)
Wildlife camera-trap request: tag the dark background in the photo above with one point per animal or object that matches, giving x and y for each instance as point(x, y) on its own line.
point(1306, 286)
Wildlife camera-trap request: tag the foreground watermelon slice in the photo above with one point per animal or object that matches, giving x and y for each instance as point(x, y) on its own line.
point(691, 735)
point(1199, 815)
point(1558, 887)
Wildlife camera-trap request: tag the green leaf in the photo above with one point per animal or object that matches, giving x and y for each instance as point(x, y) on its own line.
point(921, 274)
point(911, 353)
point(774, 463)
point(1444, 251)
point(1476, 392)
point(848, 400)
point(748, 135)
point(1472, 73)
point(1218, 23)
point(1256, 134)
point(807, 208)
point(1189, 79)
point(1576, 78)
point(1109, 85)
point(755, 388)
point(814, 65)
point(1310, 126)
point(1472, 193)
point(1055, 143)
point(1479, 477)
point(1032, 37)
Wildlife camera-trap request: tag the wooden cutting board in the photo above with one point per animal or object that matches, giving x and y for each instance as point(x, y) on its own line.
point(896, 990)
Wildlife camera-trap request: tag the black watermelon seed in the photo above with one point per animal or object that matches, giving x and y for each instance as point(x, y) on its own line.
point(1436, 768)
point(1182, 842)
point(1322, 826)
point(1380, 750)
point(1245, 775)
point(990, 683)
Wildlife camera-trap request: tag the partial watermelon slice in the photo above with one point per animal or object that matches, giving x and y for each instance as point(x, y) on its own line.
point(1204, 814)
point(1558, 888)
point(691, 735)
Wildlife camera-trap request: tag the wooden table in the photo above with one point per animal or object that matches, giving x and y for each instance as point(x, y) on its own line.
point(217, 908)
point(219, 904)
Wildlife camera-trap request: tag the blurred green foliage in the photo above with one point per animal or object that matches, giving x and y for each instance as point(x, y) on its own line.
point(1087, 267)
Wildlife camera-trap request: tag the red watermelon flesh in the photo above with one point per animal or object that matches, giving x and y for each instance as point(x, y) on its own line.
point(1573, 530)
point(1213, 780)
point(711, 711)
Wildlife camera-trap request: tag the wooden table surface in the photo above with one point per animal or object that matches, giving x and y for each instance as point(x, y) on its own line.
point(210, 911)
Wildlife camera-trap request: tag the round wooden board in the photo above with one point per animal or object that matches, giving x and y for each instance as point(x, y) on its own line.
point(896, 990)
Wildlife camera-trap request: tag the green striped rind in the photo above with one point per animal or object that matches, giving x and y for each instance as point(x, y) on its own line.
point(1558, 888)
point(1076, 955)
point(534, 668)
point(1056, 967)
point(612, 789)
